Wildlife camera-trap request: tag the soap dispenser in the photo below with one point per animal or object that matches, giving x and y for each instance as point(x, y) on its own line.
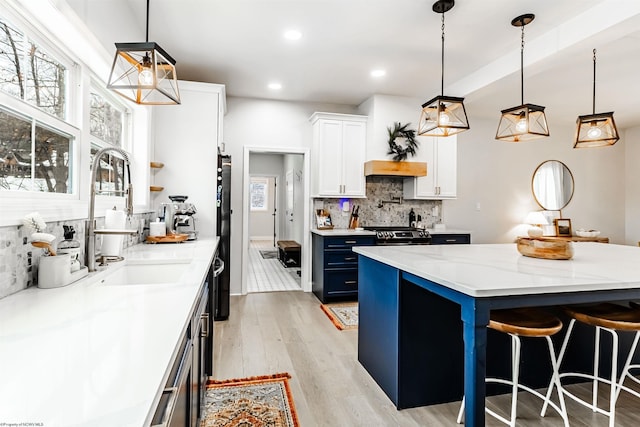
point(70, 246)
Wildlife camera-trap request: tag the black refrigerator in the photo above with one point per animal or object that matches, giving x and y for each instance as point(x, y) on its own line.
point(223, 230)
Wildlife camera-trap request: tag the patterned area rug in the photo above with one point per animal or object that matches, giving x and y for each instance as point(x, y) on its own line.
point(343, 315)
point(250, 402)
point(269, 254)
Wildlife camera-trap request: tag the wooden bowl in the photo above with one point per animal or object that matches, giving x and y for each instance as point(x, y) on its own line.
point(545, 249)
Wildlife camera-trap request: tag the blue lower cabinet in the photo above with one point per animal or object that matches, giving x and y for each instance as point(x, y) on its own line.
point(335, 266)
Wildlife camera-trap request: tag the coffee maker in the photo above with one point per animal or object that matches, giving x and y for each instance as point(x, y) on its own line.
point(179, 216)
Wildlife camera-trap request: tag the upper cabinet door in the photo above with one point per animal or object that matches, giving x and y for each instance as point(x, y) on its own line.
point(441, 155)
point(338, 155)
point(353, 157)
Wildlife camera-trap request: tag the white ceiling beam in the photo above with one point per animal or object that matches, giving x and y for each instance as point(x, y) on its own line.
point(607, 16)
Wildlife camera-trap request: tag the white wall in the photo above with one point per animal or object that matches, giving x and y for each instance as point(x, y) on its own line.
point(497, 176)
point(267, 165)
point(186, 142)
point(632, 189)
point(269, 124)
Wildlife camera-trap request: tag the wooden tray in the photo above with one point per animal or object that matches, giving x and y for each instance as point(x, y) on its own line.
point(169, 238)
point(545, 249)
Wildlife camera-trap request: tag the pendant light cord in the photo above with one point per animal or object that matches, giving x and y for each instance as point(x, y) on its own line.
point(594, 81)
point(522, 66)
point(147, 36)
point(442, 61)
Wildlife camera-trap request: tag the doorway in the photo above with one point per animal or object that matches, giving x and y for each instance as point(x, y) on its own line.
point(276, 208)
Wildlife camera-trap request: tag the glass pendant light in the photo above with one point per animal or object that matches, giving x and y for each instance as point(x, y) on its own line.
point(596, 130)
point(443, 115)
point(527, 121)
point(144, 73)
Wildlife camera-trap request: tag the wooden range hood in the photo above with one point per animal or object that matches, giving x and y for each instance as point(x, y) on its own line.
point(391, 168)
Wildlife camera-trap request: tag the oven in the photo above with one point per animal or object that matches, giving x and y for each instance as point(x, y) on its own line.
point(390, 235)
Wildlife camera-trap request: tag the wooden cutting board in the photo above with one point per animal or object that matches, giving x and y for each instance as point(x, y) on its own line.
point(169, 238)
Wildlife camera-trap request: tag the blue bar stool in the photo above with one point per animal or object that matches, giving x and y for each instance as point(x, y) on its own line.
point(611, 318)
point(525, 322)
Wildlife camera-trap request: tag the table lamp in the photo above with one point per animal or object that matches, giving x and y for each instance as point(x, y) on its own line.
point(535, 219)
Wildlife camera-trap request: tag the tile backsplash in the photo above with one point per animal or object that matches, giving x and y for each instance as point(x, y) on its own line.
point(381, 206)
point(19, 259)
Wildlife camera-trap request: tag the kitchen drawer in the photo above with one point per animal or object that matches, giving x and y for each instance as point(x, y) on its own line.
point(346, 242)
point(336, 258)
point(341, 282)
point(450, 239)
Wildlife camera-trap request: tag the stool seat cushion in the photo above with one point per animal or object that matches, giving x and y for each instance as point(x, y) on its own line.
point(606, 315)
point(528, 322)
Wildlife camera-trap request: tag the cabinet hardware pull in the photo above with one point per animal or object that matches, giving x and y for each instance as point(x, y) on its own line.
point(351, 258)
point(351, 242)
point(450, 240)
point(168, 410)
point(204, 320)
point(350, 282)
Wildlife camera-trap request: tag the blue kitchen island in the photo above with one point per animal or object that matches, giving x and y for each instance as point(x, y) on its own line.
point(423, 310)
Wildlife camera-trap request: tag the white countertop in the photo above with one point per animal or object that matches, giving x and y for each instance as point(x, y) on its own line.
point(484, 270)
point(336, 232)
point(350, 232)
point(94, 355)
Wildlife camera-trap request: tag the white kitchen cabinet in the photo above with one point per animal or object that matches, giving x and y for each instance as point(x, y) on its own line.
point(442, 169)
point(339, 149)
point(186, 141)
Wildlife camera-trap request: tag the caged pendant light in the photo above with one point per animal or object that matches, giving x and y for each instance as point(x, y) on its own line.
point(596, 130)
point(443, 115)
point(144, 73)
point(526, 121)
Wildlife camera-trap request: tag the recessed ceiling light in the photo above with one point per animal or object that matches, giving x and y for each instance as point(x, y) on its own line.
point(292, 35)
point(378, 73)
point(275, 86)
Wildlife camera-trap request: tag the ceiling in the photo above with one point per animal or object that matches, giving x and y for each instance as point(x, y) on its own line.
point(240, 43)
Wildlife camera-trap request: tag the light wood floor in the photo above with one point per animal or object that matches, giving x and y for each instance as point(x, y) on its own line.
point(287, 332)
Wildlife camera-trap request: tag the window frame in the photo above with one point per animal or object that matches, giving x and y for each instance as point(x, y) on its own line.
point(57, 31)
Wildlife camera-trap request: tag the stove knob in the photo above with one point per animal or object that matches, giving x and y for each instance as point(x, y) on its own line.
point(379, 235)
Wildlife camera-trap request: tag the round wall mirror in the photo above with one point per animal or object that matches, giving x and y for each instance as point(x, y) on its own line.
point(552, 185)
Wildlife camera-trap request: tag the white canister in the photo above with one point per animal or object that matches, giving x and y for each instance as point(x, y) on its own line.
point(157, 229)
point(54, 271)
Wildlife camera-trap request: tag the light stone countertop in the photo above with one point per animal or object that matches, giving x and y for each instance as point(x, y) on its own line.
point(350, 232)
point(94, 355)
point(487, 270)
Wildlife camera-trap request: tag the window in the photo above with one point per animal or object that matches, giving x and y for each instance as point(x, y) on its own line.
point(37, 143)
point(106, 121)
point(259, 194)
point(28, 73)
point(23, 139)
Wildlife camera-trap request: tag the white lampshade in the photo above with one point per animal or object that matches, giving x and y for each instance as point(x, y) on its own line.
point(535, 219)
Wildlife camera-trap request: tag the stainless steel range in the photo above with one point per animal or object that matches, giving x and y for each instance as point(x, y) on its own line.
point(390, 235)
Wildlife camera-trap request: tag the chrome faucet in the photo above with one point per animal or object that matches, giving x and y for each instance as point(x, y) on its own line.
point(91, 222)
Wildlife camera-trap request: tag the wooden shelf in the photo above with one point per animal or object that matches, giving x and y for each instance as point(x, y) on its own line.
point(156, 165)
point(388, 167)
point(155, 188)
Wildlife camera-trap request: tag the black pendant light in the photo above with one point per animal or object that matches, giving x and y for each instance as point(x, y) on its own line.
point(596, 130)
point(526, 121)
point(443, 115)
point(144, 73)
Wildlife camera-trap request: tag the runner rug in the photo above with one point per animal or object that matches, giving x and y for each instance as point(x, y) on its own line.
point(263, 401)
point(343, 315)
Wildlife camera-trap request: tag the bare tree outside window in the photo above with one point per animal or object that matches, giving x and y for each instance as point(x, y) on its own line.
point(105, 120)
point(34, 156)
point(29, 73)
